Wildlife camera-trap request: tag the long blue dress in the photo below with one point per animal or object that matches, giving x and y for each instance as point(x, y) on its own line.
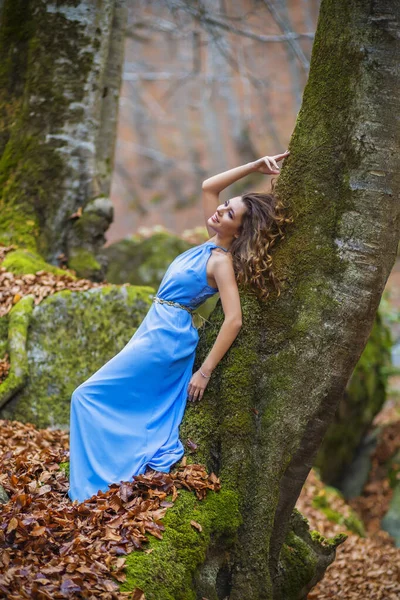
point(126, 416)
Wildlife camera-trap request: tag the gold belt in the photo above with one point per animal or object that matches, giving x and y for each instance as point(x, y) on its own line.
point(197, 319)
point(171, 303)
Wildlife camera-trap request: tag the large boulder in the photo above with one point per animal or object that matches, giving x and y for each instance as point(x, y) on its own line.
point(59, 343)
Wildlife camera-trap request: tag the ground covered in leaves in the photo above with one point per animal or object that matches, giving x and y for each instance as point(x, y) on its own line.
point(366, 568)
point(51, 547)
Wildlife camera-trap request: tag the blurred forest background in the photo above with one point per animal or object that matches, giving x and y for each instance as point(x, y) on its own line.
point(205, 87)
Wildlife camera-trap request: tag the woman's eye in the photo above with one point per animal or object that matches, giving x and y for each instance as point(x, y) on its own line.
point(226, 204)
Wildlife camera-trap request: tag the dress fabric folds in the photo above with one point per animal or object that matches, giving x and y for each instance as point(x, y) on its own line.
point(126, 416)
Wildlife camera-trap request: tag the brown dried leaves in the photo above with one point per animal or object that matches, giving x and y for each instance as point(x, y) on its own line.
point(40, 285)
point(54, 548)
point(364, 567)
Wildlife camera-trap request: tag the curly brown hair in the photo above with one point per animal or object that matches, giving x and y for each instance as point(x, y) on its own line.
point(261, 227)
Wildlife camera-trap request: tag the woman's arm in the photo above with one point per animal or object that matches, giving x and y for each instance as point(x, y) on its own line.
point(211, 187)
point(217, 183)
point(224, 275)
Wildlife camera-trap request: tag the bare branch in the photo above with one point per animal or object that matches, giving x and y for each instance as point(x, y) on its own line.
point(287, 31)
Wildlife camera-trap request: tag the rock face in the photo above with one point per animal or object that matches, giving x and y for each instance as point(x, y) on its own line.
point(60, 70)
point(68, 336)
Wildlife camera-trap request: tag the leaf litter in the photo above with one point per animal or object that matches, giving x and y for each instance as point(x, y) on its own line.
point(51, 547)
point(365, 568)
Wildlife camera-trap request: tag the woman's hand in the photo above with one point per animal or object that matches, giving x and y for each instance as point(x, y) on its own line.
point(269, 164)
point(196, 387)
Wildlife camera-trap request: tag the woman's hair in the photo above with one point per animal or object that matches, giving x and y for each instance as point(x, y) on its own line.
point(261, 228)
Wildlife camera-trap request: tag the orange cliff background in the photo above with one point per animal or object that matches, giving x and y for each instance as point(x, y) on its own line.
point(202, 93)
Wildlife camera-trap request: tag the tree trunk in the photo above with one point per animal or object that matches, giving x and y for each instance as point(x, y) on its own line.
point(59, 83)
point(273, 395)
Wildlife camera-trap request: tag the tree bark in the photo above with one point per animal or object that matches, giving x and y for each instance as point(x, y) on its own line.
point(295, 354)
point(59, 84)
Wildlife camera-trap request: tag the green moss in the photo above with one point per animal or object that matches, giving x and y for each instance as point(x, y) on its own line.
point(23, 261)
point(337, 539)
point(102, 321)
point(300, 563)
point(322, 502)
point(4, 321)
point(84, 263)
point(65, 467)
point(303, 559)
point(19, 317)
point(35, 89)
point(169, 571)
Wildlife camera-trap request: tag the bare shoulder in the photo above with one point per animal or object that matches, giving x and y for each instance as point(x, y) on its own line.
point(221, 257)
point(221, 263)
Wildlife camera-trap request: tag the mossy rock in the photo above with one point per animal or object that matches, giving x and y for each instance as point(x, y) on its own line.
point(70, 335)
point(143, 261)
point(23, 262)
point(323, 501)
point(85, 264)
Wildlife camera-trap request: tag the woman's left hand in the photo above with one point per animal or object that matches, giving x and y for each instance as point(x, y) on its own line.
point(269, 164)
point(196, 387)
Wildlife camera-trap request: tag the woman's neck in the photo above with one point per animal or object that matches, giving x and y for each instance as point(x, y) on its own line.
point(224, 243)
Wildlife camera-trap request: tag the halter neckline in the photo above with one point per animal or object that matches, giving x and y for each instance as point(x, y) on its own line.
point(216, 245)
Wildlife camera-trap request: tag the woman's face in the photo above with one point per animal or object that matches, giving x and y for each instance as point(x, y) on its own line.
point(228, 217)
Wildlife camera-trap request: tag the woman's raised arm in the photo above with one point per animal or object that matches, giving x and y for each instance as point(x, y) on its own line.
point(213, 186)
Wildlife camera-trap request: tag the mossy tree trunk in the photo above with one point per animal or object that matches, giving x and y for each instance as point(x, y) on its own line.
point(273, 395)
point(60, 71)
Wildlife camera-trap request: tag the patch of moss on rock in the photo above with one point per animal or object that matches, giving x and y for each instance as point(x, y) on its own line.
point(72, 334)
point(19, 318)
point(23, 261)
point(84, 263)
point(4, 335)
point(323, 502)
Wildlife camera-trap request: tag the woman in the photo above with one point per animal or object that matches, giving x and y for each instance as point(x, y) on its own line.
point(125, 418)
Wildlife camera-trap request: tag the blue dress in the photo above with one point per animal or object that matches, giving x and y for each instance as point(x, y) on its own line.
point(126, 416)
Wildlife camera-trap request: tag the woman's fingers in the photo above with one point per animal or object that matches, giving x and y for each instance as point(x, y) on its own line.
point(273, 161)
point(266, 160)
point(282, 156)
